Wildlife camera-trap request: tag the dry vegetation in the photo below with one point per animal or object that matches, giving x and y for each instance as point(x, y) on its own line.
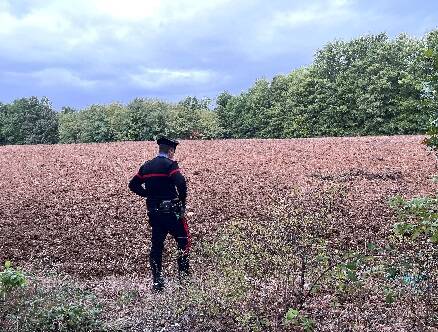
point(273, 222)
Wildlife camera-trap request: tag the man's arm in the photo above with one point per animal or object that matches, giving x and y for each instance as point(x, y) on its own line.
point(135, 185)
point(180, 182)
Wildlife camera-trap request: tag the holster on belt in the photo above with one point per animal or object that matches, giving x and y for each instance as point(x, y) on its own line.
point(167, 206)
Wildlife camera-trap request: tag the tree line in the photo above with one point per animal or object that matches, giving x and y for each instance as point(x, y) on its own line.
point(33, 121)
point(371, 85)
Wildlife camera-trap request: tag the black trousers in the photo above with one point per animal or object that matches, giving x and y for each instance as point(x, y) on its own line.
point(163, 224)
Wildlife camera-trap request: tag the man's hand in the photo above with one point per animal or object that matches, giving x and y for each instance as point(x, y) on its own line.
point(183, 211)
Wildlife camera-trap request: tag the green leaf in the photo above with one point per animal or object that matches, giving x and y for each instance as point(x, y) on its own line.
point(389, 297)
point(391, 273)
point(292, 314)
point(8, 264)
point(371, 246)
point(351, 266)
point(403, 228)
point(434, 237)
point(396, 201)
point(416, 233)
point(351, 275)
point(428, 53)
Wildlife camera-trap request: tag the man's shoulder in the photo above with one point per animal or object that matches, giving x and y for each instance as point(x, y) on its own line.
point(158, 162)
point(163, 160)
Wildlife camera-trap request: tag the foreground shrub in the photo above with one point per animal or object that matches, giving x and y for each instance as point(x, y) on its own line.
point(415, 243)
point(301, 265)
point(10, 279)
point(49, 307)
point(305, 266)
point(68, 317)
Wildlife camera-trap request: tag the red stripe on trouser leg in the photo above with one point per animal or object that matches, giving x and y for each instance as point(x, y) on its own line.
point(189, 239)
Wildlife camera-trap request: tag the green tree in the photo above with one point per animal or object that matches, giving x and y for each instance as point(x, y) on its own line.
point(430, 63)
point(2, 115)
point(69, 126)
point(224, 114)
point(209, 125)
point(257, 102)
point(148, 118)
point(245, 115)
point(194, 103)
point(300, 106)
point(276, 114)
point(119, 121)
point(94, 125)
point(30, 121)
point(185, 119)
point(98, 123)
point(192, 119)
point(371, 85)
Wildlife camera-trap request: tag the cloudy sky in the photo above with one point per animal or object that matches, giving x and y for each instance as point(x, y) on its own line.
point(79, 52)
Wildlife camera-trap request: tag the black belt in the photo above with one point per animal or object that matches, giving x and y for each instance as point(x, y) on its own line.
point(166, 206)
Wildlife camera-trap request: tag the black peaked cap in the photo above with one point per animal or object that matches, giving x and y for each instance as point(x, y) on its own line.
point(167, 141)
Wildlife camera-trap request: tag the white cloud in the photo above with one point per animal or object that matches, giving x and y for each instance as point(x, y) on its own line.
point(64, 29)
point(55, 15)
point(284, 31)
point(40, 35)
point(316, 13)
point(8, 22)
point(144, 43)
point(38, 20)
point(4, 6)
point(155, 11)
point(51, 77)
point(127, 10)
point(57, 76)
point(151, 78)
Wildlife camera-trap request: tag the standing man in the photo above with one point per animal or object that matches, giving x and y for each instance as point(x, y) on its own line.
point(161, 182)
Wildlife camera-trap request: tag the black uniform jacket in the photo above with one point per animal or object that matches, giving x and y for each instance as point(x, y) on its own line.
point(162, 180)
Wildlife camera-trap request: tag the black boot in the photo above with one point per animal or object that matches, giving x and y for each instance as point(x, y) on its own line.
point(158, 280)
point(183, 266)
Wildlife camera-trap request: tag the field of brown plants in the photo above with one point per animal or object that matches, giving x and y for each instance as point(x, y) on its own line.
point(67, 208)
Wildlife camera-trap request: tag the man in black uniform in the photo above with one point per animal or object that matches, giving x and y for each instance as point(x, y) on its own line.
point(165, 190)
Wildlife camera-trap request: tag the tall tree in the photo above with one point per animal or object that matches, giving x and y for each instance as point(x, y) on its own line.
point(30, 121)
point(430, 63)
point(148, 118)
point(94, 125)
point(192, 118)
point(224, 114)
point(69, 126)
point(2, 115)
point(301, 105)
point(372, 86)
point(118, 116)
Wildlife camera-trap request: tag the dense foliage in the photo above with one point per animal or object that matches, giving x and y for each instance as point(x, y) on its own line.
point(142, 119)
point(28, 121)
point(371, 85)
point(33, 305)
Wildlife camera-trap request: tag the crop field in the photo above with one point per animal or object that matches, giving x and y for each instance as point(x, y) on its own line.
point(67, 209)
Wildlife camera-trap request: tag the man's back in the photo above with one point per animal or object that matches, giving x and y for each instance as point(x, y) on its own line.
point(162, 178)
